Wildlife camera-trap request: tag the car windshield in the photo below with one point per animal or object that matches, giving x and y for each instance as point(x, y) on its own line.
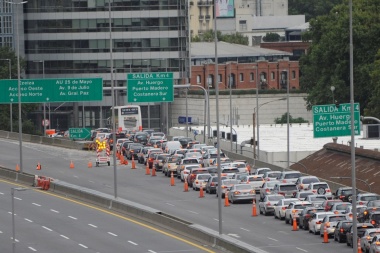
point(317, 198)
point(174, 159)
point(287, 202)
point(337, 218)
point(321, 215)
point(310, 180)
point(203, 177)
point(347, 192)
point(243, 187)
point(239, 165)
point(161, 157)
point(292, 175)
point(231, 181)
point(288, 187)
point(376, 217)
point(341, 207)
point(375, 203)
point(305, 194)
point(317, 186)
point(255, 179)
point(372, 234)
point(301, 206)
point(274, 198)
point(272, 174)
point(187, 161)
point(271, 183)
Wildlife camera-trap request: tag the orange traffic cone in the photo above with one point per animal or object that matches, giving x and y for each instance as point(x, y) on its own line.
point(186, 186)
point(133, 163)
point(226, 201)
point(295, 227)
point(17, 167)
point(89, 164)
point(153, 172)
point(359, 246)
point(121, 159)
point(325, 235)
point(117, 155)
point(38, 166)
point(71, 165)
point(254, 210)
point(147, 170)
point(201, 192)
point(172, 180)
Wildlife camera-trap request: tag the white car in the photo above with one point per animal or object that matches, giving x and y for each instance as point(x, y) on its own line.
point(200, 181)
point(316, 221)
point(271, 175)
point(304, 181)
point(280, 207)
point(293, 209)
point(185, 170)
point(321, 188)
point(267, 204)
point(316, 200)
point(255, 181)
point(330, 221)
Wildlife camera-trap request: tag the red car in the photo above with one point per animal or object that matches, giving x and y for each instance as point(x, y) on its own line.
point(327, 204)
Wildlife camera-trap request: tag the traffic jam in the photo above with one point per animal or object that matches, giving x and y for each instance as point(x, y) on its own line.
point(303, 202)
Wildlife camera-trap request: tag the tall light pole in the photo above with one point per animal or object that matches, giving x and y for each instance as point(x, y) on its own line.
point(256, 111)
point(18, 81)
point(148, 70)
point(230, 86)
point(287, 116)
point(44, 104)
point(112, 99)
point(10, 104)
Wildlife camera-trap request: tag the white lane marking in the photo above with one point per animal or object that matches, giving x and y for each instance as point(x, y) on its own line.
point(1, 193)
point(28, 220)
point(216, 219)
point(55, 211)
point(47, 228)
point(169, 204)
point(84, 246)
point(36, 204)
point(17, 198)
point(76, 176)
point(91, 181)
point(91, 225)
point(32, 249)
point(234, 235)
point(132, 243)
point(15, 239)
point(1, 232)
point(245, 229)
point(301, 249)
point(270, 238)
point(71, 217)
point(11, 213)
point(64, 237)
point(112, 234)
point(192, 212)
point(151, 251)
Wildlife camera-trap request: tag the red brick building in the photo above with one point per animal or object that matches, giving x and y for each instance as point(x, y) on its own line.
point(264, 74)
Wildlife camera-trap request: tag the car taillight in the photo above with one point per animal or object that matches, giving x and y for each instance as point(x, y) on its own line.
point(336, 212)
point(282, 193)
point(341, 197)
point(284, 181)
point(267, 190)
point(236, 192)
point(328, 190)
point(132, 151)
point(301, 186)
point(341, 230)
point(318, 222)
point(314, 191)
point(360, 203)
point(373, 222)
point(223, 186)
point(196, 182)
point(327, 224)
point(268, 204)
point(368, 237)
point(377, 243)
point(212, 184)
point(283, 208)
point(185, 172)
point(307, 215)
point(252, 192)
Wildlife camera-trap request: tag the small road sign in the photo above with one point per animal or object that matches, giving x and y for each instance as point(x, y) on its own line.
point(45, 122)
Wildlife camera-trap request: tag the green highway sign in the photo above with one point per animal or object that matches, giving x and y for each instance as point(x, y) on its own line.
point(150, 87)
point(52, 90)
point(79, 133)
point(334, 121)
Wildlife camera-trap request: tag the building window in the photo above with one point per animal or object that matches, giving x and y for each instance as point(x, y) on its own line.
point(251, 77)
point(198, 79)
point(293, 74)
point(272, 75)
point(241, 77)
point(243, 25)
point(220, 78)
point(210, 81)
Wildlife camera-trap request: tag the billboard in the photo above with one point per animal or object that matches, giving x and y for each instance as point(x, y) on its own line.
point(225, 8)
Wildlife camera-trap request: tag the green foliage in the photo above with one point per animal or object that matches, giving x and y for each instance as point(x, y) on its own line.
point(327, 61)
point(209, 36)
point(271, 37)
point(311, 9)
point(284, 119)
point(373, 108)
point(27, 125)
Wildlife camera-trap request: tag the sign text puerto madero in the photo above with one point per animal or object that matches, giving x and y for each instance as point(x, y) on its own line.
point(150, 87)
point(52, 90)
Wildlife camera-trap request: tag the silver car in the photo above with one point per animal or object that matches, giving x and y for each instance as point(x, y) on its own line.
point(266, 205)
point(241, 192)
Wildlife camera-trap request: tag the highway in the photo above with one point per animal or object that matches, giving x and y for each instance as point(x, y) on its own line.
point(263, 232)
point(45, 222)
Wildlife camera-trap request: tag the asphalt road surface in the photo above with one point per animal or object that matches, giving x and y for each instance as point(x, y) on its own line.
point(47, 223)
point(266, 233)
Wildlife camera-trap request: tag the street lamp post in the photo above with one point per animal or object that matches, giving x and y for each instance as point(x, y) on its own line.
point(287, 117)
point(10, 104)
point(256, 111)
point(19, 81)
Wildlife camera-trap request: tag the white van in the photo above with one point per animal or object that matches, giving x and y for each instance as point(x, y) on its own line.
point(172, 146)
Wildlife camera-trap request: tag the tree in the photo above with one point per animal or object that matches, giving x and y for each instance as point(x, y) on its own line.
point(271, 37)
point(373, 108)
point(27, 125)
point(327, 61)
point(284, 119)
point(209, 36)
point(311, 9)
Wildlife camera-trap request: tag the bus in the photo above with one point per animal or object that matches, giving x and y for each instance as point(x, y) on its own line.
point(129, 117)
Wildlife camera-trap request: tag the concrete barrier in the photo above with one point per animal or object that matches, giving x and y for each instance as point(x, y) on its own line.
point(17, 176)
